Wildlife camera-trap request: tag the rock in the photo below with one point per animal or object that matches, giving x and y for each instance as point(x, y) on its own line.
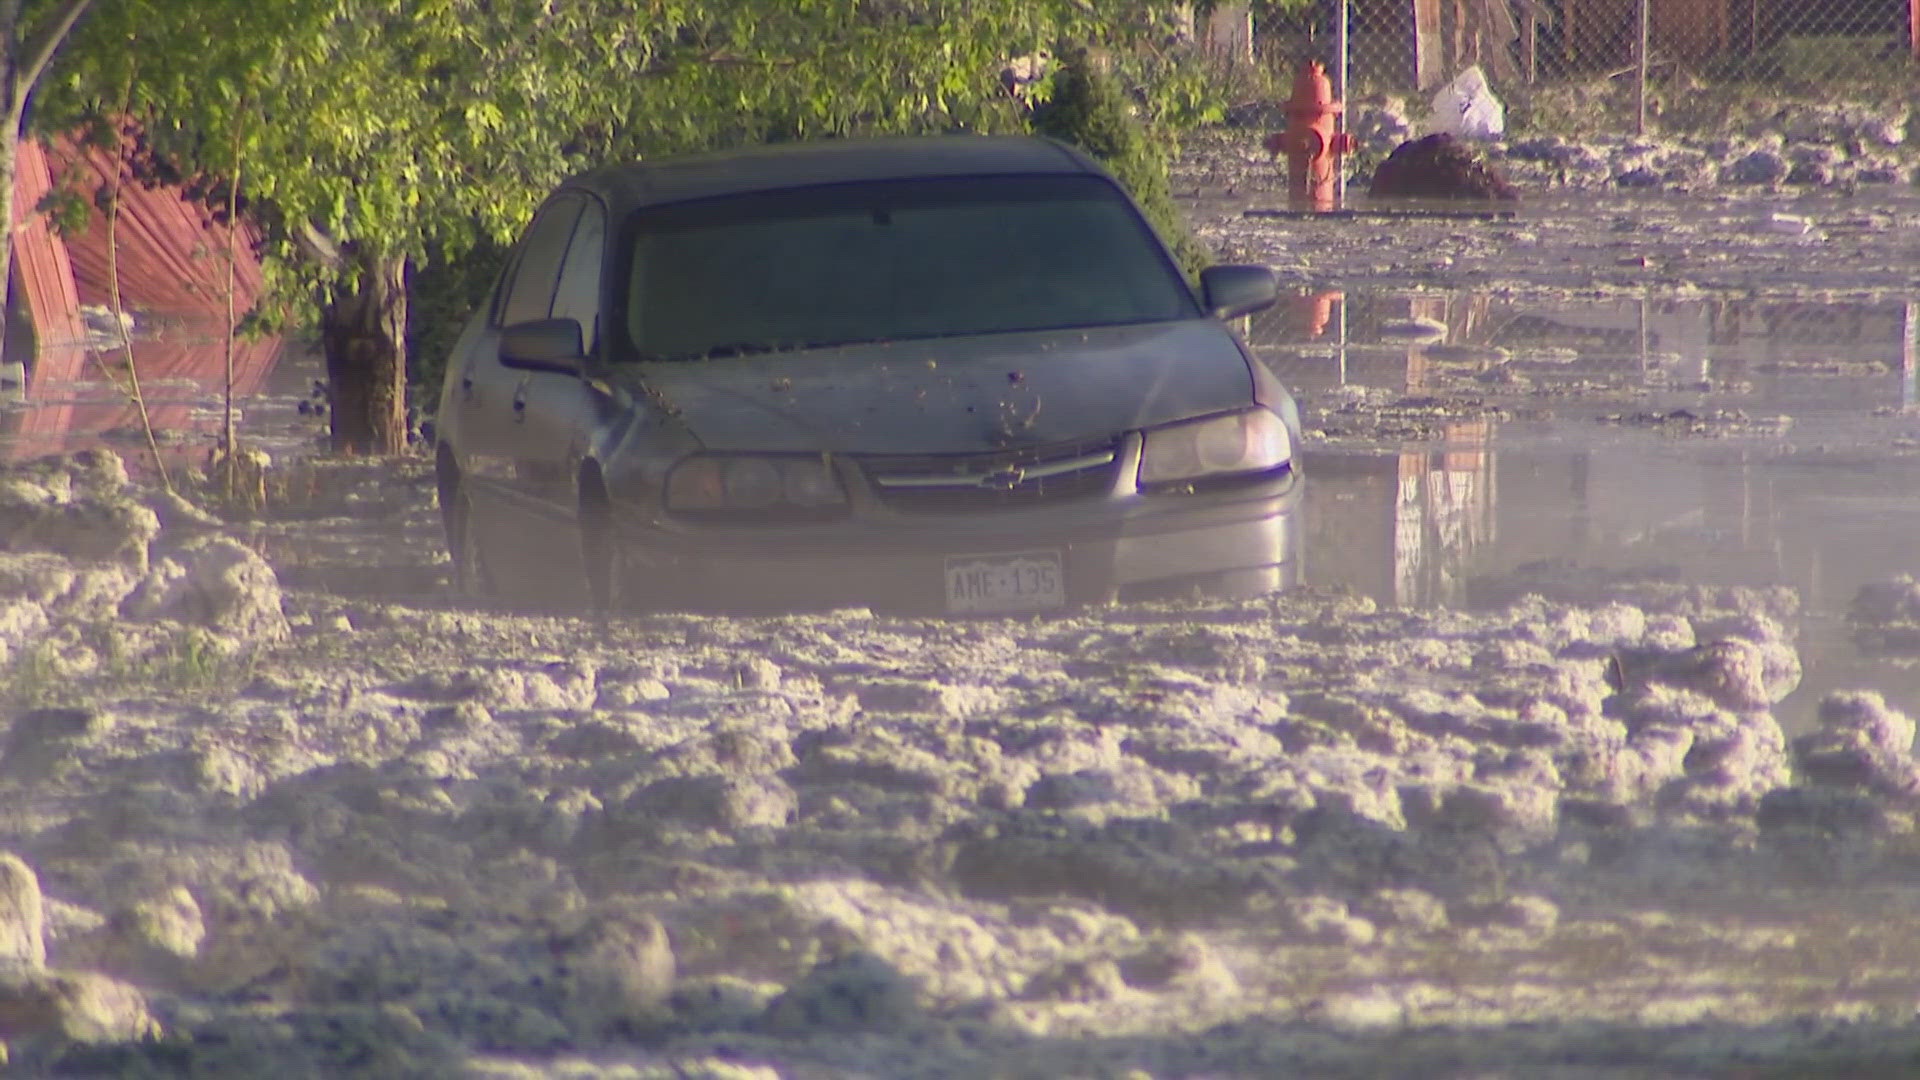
point(1439, 167)
point(619, 968)
point(22, 914)
point(217, 583)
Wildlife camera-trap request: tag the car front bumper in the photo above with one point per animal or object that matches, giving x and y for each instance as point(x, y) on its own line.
point(1243, 540)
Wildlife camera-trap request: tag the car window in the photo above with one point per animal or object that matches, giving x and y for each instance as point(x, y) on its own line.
point(578, 295)
point(536, 270)
point(893, 261)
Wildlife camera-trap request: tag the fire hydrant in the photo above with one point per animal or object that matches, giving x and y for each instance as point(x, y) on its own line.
point(1312, 311)
point(1311, 142)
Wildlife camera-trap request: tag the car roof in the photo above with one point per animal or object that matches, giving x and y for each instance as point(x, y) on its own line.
point(631, 185)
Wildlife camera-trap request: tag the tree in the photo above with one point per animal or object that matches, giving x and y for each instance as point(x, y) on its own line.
point(30, 34)
point(375, 131)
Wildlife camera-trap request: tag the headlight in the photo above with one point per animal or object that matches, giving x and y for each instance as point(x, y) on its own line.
point(739, 482)
point(1254, 441)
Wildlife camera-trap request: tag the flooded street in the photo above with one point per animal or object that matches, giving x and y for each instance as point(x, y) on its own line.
point(1585, 752)
point(1466, 445)
point(1564, 446)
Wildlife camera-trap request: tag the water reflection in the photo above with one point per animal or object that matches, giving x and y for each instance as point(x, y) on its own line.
point(1709, 442)
point(68, 398)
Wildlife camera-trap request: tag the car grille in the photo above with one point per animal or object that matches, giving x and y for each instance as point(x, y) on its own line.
point(1033, 476)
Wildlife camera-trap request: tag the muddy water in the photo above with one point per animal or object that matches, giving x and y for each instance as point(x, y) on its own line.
point(1464, 448)
point(68, 399)
point(1469, 448)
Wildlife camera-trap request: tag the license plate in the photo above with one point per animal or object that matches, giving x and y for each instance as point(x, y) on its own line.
point(1029, 581)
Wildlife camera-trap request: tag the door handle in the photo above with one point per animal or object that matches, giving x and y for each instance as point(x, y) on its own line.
point(520, 403)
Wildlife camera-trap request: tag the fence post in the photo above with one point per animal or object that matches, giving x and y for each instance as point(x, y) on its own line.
point(1646, 26)
point(1341, 47)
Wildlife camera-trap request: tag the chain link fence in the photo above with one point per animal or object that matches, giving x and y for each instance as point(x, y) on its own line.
point(1818, 49)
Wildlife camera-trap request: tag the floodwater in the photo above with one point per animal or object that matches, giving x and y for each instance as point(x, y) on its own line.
point(75, 398)
point(1463, 448)
point(1565, 445)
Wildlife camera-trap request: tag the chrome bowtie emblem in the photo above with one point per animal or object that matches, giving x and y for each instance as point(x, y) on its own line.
point(1004, 479)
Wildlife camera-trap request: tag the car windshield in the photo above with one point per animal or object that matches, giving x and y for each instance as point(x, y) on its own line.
point(893, 261)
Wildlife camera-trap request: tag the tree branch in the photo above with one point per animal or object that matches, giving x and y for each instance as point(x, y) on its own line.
point(315, 244)
point(40, 45)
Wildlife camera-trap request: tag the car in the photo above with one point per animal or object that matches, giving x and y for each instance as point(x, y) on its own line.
point(947, 374)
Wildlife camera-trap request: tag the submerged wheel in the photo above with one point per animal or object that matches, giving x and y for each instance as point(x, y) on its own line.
point(599, 549)
point(469, 576)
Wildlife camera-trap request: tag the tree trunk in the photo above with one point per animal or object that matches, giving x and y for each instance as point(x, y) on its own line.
point(25, 51)
point(10, 124)
point(363, 333)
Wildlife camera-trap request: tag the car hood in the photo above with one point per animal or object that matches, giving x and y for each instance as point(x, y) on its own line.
point(957, 395)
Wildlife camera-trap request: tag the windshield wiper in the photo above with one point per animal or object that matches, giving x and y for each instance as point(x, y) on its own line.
point(739, 348)
point(747, 348)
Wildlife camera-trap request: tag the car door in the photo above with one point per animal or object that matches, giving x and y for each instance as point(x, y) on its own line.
point(533, 424)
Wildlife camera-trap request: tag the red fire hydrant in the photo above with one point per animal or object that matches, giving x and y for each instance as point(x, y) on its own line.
point(1311, 142)
point(1312, 311)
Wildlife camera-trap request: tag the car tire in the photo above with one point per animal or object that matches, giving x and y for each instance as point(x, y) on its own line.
point(468, 571)
point(599, 547)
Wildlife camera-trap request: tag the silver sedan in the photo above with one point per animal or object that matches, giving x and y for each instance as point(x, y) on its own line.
point(954, 374)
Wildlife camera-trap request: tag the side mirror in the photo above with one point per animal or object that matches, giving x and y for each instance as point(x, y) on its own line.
point(1232, 291)
point(544, 345)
